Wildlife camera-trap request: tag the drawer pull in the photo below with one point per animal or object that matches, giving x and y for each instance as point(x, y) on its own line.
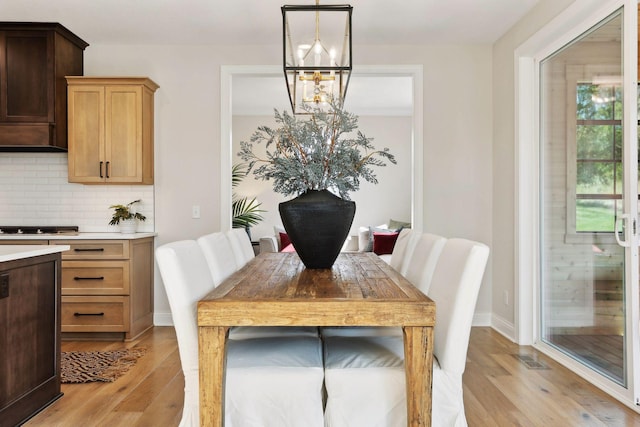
point(89, 249)
point(88, 314)
point(88, 278)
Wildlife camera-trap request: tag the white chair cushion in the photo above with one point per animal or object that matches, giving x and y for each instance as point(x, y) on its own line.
point(249, 332)
point(274, 382)
point(360, 331)
point(366, 385)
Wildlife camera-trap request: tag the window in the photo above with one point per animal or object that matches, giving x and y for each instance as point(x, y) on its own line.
point(598, 156)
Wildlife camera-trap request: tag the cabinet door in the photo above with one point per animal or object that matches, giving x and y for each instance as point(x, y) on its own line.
point(123, 135)
point(87, 163)
point(26, 83)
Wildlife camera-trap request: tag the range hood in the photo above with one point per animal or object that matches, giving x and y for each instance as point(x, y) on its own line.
point(35, 57)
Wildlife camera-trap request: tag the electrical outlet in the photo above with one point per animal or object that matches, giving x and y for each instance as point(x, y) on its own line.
point(195, 211)
point(506, 297)
point(4, 286)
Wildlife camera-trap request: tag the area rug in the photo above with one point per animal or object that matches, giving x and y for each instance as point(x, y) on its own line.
point(93, 366)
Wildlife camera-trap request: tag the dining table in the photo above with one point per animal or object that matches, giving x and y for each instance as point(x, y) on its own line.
point(275, 289)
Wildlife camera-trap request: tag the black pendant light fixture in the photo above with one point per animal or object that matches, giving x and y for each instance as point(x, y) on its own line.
point(316, 45)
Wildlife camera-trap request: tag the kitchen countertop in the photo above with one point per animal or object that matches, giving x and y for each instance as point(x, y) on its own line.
point(78, 236)
point(14, 252)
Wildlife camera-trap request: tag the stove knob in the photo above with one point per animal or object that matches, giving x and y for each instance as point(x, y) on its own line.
point(39, 231)
point(20, 231)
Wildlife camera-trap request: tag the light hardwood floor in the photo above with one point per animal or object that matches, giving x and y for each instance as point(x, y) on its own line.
point(499, 389)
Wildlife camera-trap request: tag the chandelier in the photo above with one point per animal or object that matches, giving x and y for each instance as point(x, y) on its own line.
point(316, 54)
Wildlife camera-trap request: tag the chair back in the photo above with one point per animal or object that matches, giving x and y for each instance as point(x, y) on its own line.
point(241, 246)
point(219, 255)
point(454, 288)
point(403, 249)
point(186, 279)
point(423, 260)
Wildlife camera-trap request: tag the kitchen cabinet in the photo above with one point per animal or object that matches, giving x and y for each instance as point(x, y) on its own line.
point(107, 288)
point(34, 60)
point(30, 335)
point(111, 130)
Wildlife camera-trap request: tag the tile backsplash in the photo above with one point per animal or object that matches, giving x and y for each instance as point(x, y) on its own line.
point(34, 191)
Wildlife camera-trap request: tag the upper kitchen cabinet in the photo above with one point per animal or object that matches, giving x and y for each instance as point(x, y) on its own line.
point(34, 60)
point(111, 130)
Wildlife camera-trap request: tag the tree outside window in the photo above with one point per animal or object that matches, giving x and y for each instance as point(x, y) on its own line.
point(599, 157)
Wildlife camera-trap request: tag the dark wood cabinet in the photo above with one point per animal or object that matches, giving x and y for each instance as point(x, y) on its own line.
point(30, 336)
point(34, 60)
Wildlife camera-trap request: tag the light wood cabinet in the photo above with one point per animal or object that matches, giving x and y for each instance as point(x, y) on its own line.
point(107, 288)
point(111, 130)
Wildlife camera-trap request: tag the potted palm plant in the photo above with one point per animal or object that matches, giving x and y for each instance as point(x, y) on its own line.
point(246, 212)
point(319, 160)
point(125, 217)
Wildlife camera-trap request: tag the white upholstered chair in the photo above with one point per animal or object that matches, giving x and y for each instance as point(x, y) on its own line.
point(275, 381)
point(422, 261)
point(240, 245)
point(403, 249)
point(364, 376)
point(222, 260)
point(219, 255)
point(422, 251)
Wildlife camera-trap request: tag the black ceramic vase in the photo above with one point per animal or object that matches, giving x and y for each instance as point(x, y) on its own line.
point(317, 223)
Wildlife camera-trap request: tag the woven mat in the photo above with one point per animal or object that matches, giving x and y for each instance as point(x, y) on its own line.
point(91, 366)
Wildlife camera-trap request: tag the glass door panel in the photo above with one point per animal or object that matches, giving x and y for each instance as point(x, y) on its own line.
point(583, 268)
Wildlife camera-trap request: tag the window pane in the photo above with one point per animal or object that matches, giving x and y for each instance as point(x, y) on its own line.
point(595, 142)
point(595, 178)
point(595, 215)
point(595, 102)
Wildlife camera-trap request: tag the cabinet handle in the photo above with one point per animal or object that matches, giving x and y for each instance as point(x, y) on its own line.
point(88, 278)
point(107, 169)
point(88, 314)
point(89, 249)
point(101, 176)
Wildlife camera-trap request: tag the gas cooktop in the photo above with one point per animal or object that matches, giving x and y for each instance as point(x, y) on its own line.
point(45, 229)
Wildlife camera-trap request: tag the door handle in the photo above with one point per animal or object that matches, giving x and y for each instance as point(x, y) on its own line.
point(616, 231)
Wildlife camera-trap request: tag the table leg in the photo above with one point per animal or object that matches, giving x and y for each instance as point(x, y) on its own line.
point(211, 365)
point(418, 365)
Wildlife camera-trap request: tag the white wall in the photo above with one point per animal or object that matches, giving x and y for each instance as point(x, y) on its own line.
point(375, 204)
point(457, 134)
point(504, 174)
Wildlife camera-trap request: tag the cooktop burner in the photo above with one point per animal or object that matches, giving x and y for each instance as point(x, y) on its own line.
point(45, 229)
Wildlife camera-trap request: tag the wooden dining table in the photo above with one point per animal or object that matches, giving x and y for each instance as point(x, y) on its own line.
point(275, 289)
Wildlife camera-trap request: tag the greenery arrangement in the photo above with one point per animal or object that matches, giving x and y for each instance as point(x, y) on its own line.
point(245, 211)
point(123, 212)
point(315, 153)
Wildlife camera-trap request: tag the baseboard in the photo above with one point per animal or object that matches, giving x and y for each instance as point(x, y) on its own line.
point(504, 327)
point(480, 319)
point(162, 319)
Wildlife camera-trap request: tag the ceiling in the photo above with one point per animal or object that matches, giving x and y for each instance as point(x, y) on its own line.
point(259, 21)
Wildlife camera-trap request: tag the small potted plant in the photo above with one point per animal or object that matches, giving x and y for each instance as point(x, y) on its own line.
point(125, 218)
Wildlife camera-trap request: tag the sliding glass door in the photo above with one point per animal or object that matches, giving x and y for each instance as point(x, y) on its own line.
point(588, 202)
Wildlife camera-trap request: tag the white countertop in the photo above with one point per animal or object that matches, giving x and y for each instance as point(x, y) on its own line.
point(77, 236)
point(14, 252)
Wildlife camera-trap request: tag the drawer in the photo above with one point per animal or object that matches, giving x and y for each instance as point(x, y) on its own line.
point(95, 314)
point(95, 278)
point(95, 249)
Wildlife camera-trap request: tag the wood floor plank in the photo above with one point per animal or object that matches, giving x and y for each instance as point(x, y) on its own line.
point(499, 389)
